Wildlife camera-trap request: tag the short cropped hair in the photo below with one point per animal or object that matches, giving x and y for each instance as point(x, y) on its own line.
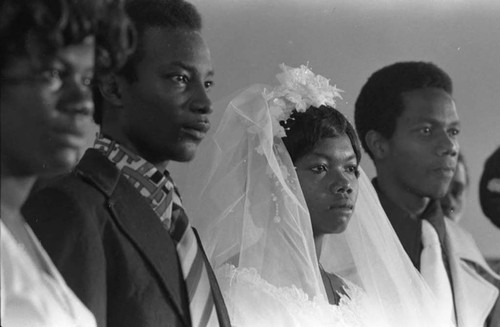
point(144, 14)
point(39, 28)
point(305, 129)
point(380, 101)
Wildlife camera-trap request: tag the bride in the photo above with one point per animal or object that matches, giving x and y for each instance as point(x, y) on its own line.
point(290, 222)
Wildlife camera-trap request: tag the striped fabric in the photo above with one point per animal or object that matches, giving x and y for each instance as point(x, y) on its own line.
point(160, 192)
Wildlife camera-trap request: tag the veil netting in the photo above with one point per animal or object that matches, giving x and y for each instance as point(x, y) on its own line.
point(244, 198)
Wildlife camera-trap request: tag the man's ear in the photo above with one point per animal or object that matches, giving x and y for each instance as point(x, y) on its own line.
point(377, 144)
point(110, 89)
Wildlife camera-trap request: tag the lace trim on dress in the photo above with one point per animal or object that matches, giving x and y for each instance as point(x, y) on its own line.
point(263, 299)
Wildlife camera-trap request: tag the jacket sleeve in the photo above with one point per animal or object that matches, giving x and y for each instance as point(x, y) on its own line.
point(69, 229)
point(489, 188)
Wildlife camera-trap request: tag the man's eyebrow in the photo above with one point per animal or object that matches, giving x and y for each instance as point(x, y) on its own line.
point(433, 121)
point(189, 68)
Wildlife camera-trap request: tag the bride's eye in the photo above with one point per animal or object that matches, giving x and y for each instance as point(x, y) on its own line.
point(318, 169)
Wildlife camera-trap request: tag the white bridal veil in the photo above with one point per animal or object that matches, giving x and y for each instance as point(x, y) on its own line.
point(244, 198)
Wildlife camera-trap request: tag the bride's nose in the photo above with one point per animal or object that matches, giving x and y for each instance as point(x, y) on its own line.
point(341, 184)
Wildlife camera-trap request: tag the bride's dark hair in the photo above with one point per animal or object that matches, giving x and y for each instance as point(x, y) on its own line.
point(305, 129)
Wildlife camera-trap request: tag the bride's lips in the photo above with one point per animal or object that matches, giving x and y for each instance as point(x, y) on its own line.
point(345, 206)
point(197, 129)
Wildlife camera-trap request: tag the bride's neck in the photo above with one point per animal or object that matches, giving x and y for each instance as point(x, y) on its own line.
point(318, 242)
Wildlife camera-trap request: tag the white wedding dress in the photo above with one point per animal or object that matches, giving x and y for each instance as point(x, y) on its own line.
point(252, 301)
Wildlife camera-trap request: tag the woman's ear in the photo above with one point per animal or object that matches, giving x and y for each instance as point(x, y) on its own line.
point(110, 89)
point(378, 144)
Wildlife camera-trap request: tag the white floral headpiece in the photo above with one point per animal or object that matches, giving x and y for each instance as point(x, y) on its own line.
point(300, 89)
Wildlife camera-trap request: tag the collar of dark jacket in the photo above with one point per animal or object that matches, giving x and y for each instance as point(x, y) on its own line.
point(98, 170)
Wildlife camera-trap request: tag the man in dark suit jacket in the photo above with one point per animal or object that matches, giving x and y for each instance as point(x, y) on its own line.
point(115, 226)
point(408, 123)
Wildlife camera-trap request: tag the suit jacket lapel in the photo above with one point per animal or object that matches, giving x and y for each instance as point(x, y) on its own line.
point(139, 222)
point(474, 295)
point(143, 227)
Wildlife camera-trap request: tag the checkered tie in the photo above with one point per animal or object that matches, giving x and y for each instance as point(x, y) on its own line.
point(194, 269)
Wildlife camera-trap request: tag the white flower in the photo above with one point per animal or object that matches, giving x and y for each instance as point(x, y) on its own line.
point(300, 89)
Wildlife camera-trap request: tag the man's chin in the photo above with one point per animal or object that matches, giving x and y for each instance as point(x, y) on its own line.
point(183, 159)
point(186, 154)
point(182, 153)
point(436, 193)
point(429, 190)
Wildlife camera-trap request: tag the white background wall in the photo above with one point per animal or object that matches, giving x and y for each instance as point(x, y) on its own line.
point(347, 40)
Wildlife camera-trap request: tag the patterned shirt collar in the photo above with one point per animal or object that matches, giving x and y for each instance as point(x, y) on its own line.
point(152, 184)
